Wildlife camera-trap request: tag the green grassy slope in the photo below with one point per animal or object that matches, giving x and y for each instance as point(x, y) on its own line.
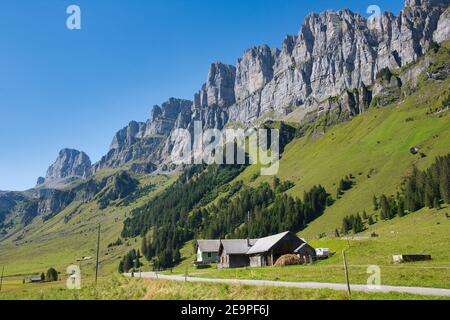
point(374, 147)
point(71, 235)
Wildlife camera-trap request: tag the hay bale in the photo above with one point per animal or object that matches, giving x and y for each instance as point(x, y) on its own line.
point(288, 260)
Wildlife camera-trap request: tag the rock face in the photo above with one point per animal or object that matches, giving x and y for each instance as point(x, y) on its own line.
point(332, 53)
point(334, 58)
point(442, 32)
point(164, 117)
point(128, 136)
point(330, 67)
point(255, 70)
point(219, 88)
point(40, 181)
point(70, 163)
point(141, 141)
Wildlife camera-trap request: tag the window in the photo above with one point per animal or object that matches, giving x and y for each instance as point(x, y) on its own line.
point(209, 254)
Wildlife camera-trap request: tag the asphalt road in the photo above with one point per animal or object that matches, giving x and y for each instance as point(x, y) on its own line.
point(303, 285)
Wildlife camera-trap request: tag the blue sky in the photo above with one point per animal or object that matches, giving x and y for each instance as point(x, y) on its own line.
point(61, 88)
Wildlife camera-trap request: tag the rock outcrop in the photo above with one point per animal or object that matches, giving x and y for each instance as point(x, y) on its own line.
point(70, 163)
point(164, 117)
point(442, 32)
point(142, 141)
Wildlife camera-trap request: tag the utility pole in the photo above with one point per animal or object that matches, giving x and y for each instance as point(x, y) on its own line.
point(98, 253)
point(346, 273)
point(1, 279)
point(248, 228)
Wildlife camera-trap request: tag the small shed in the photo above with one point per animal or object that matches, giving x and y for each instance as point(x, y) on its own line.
point(267, 251)
point(208, 251)
point(233, 253)
point(306, 253)
point(411, 258)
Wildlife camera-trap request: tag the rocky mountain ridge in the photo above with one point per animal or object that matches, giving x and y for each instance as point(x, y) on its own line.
point(331, 65)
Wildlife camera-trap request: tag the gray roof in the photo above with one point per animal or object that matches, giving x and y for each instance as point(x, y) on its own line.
point(303, 245)
point(208, 245)
point(265, 244)
point(239, 246)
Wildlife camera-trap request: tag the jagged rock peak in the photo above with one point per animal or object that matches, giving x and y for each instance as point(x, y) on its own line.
point(164, 117)
point(70, 163)
point(128, 135)
point(255, 70)
point(40, 181)
point(427, 3)
point(170, 109)
point(219, 87)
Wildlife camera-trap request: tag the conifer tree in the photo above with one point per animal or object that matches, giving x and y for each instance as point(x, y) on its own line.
point(375, 203)
point(337, 234)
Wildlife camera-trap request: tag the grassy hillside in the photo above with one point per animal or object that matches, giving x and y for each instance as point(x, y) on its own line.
point(71, 234)
point(374, 147)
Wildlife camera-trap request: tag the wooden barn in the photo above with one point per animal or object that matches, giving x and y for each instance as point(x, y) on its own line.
point(306, 253)
point(267, 251)
point(233, 253)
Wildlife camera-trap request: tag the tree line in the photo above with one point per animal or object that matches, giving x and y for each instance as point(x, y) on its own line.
point(131, 261)
point(421, 189)
point(242, 212)
point(429, 188)
point(165, 222)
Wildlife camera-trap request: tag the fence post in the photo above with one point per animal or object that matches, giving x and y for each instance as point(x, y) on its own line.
point(1, 278)
point(346, 273)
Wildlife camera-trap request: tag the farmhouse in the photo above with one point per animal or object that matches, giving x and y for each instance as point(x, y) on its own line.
point(253, 252)
point(267, 251)
point(208, 251)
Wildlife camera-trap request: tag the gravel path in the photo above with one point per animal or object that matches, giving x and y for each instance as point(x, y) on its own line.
point(303, 285)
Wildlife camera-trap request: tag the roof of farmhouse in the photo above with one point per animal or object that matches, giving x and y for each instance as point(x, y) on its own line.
point(208, 245)
point(267, 243)
point(244, 246)
point(239, 246)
